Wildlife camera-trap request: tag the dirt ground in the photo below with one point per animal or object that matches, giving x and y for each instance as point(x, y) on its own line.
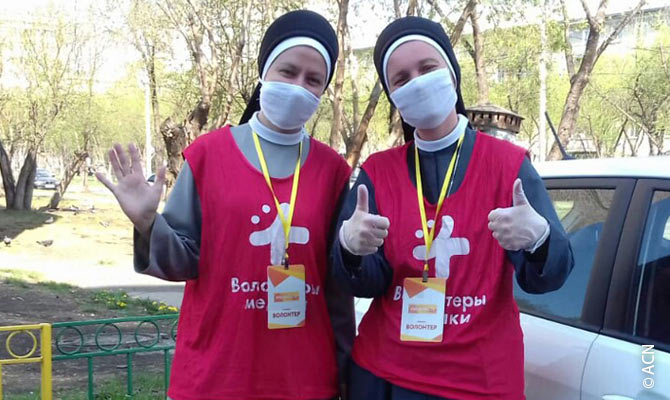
point(27, 303)
point(88, 229)
point(89, 246)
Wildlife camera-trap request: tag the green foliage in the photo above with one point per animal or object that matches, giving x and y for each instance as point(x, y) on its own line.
point(636, 82)
point(120, 300)
point(146, 387)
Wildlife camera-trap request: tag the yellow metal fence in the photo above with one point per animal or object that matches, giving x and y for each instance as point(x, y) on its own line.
point(41, 346)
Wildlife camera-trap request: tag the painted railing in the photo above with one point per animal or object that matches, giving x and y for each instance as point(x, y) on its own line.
point(39, 352)
point(93, 339)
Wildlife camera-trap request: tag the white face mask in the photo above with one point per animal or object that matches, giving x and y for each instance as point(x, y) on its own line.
point(426, 101)
point(286, 105)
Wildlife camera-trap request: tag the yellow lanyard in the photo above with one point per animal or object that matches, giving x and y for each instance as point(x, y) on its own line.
point(285, 220)
point(428, 236)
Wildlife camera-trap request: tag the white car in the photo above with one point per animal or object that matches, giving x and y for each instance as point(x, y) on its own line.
point(606, 333)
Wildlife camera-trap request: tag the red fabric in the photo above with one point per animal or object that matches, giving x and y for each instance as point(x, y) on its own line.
point(224, 348)
point(481, 355)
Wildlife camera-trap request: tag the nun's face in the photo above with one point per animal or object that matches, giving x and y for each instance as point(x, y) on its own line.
point(302, 66)
point(410, 60)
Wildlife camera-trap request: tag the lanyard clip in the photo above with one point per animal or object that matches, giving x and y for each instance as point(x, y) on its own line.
point(424, 275)
point(286, 261)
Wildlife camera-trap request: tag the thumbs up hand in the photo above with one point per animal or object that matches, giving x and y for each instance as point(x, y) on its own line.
point(519, 227)
point(363, 233)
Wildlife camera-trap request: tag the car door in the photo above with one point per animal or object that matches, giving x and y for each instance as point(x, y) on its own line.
point(631, 357)
point(560, 327)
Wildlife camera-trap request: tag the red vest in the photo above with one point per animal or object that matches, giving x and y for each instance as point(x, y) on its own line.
point(224, 348)
point(481, 354)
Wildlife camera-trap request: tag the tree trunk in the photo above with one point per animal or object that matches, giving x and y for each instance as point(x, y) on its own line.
point(70, 172)
point(580, 79)
point(355, 143)
point(412, 7)
point(335, 131)
point(480, 64)
point(7, 177)
point(24, 186)
point(396, 133)
point(396, 8)
point(176, 139)
point(571, 109)
point(542, 128)
point(153, 93)
point(83, 170)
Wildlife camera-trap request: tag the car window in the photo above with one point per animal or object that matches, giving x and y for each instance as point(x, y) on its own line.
point(583, 213)
point(652, 306)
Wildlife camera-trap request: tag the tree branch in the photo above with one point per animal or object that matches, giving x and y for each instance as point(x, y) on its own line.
point(455, 34)
point(589, 17)
point(396, 8)
point(619, 28)
point(569, 57)
point(469, 48)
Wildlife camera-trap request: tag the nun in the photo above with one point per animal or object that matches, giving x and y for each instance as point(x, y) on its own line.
point(435, 232)
point(248, 226)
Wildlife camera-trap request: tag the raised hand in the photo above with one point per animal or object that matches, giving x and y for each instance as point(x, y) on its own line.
point(363, 233)
point(138, 198)
point(519, 227)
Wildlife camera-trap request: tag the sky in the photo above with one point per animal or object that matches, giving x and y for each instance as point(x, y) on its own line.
point(366, 18)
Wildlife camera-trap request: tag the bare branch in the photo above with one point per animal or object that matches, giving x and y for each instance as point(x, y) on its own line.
point(619, 28)
point(589, 17)
point(396, 8)
point(630, 116)
point(569, 57)
point(482, 84)
point(412, 7)
point(455, 34)
point(436, 7)
point(469, 48)
point(664, 61)
point(208, 30)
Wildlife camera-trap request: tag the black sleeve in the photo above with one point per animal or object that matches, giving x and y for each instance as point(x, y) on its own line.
point(340, 305)
point(549, 266)
point(368, 276)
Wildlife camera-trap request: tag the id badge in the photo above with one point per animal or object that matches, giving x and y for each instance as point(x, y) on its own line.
point(286, 296)
point(423, 310)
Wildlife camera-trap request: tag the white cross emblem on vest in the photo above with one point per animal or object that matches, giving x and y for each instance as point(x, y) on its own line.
point(444, 247)
point(274, 234)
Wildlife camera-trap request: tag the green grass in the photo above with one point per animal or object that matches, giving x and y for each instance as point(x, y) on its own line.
point(19, 278)
point(89, 300)
point(99, 228)
point(119, 300)
point(145, 387)
point(26, 279)
point(105, 261)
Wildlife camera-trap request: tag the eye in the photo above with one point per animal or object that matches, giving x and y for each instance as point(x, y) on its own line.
point(400, 82)
point(428, 68)
point(287, 73)
point(314, 81)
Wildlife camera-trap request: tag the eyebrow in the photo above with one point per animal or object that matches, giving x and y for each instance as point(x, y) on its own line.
point(429, 59)
point(287, 64)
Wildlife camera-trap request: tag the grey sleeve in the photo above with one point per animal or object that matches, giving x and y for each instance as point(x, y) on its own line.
point(172, 251)
point(548, 268)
